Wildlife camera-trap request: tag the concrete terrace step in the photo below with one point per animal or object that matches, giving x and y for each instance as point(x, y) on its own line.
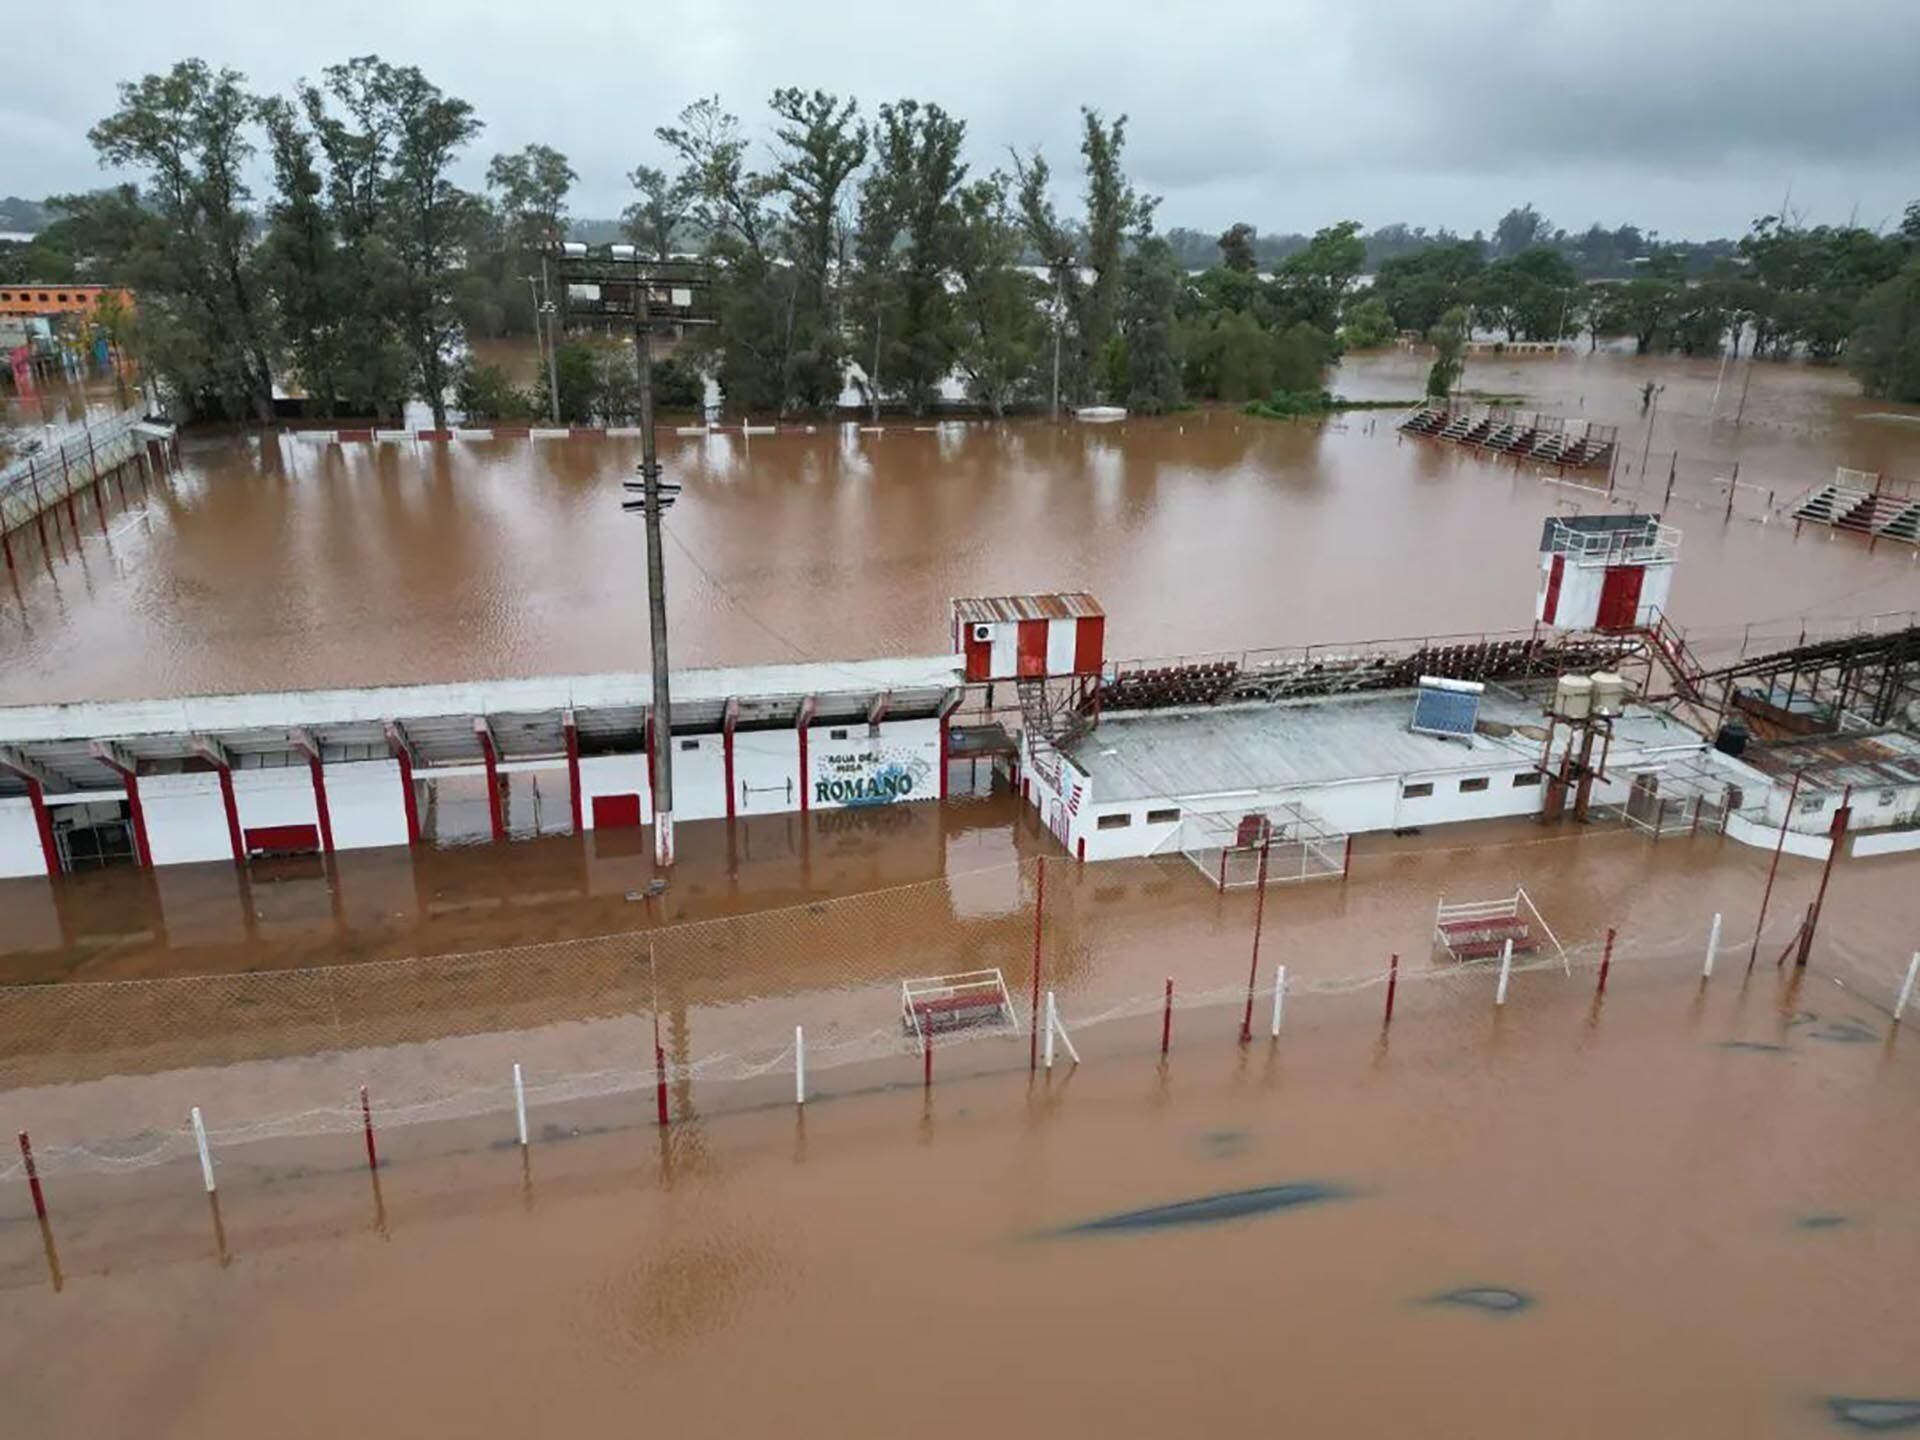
point(1903, 524)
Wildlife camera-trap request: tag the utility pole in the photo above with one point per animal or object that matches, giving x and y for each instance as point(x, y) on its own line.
point(1653, 413)
point(1752, 355)
point(553, 345)
point(653, 506)
point(1059, 281)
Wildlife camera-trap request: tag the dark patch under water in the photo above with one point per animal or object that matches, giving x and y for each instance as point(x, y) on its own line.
point(1820, 1220)
point(1844, 1032)
point(1765, 1046)
point(1212, 1209)
point(1492, 1299)
point(1879, 1415)
point(1223, 1143)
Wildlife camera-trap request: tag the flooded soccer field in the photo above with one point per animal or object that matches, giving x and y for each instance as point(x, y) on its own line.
point(1680, 1207)
point(279, 562)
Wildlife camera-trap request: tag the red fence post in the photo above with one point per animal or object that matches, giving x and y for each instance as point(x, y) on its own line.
point(1253, 969)
point(660, 1084)
point(1166, 1021)
point(1393, 984)
point(926, 1052)
point(366, 1125)
point(33, 1177)
point(1606, 964)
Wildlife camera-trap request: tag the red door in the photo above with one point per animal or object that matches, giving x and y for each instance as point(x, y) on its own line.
point(616, 812)
point(1033, 647)
point(283, 840)
point(1550, 607)
point(1620, 597)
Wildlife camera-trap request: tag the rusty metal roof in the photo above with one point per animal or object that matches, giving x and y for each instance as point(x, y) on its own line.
point(1007, 608)
point(1834, 761)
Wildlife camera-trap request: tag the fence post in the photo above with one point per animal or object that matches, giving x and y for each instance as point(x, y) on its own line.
point(660, 1084)
point(1713, 946)
point(366, 1126)
point(200, 1143)
point(1253, 966)
point(1606, 964)
point(1166, 1024)
point(799, 1066)
point(33, 1176)
point(520, 1103)
point(1052, 1021)
point(1279, 997)
point(1393, 984)
point(926, 1053)
point(1506, 970)
point(1906, 988)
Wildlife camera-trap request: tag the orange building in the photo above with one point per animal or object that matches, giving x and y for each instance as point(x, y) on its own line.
point(57, 299)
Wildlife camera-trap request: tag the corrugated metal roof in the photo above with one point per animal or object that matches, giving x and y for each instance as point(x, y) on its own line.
point(1002, 609)
point(1863, 761)
point(1155, 755)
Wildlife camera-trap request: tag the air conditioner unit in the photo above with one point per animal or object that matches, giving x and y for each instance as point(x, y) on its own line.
point(982, 634)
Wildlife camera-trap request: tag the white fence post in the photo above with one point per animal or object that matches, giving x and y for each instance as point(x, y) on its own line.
point(1906, 988)
point(1713, 947)
point(1506, 969)
point(206, 1155)
point(799, 1066)
point(520, 1103)
point(1053, 1023)
point(1279, 997)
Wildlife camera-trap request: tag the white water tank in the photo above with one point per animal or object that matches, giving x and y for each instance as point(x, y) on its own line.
point(1609, 693)
point(1573, 697)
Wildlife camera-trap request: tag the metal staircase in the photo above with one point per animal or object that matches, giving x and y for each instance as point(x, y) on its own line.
point(1048, 727)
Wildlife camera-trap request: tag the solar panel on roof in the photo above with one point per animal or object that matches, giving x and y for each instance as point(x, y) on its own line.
point(1449, 711)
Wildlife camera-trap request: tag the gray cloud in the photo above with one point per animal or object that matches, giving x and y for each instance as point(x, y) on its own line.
point(1689, 116)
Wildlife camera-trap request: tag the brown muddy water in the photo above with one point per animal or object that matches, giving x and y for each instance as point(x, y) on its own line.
point(1686, 1210)
point(276, 562)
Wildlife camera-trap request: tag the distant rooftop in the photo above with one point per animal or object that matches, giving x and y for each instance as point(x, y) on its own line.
point(1834, 762)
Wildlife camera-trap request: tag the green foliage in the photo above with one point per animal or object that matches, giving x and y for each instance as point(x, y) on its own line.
point(1421, 287)
point(1885, 353)
point(999, 325)
point(1369, 324)
point(655, 219)
point(1449, 340)
point(1312, 286)
point(483, 392)
point(1236, 249)
point(1301, 354)
point(1293, 404)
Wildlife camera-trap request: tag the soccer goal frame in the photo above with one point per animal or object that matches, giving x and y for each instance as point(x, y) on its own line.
point(1296, 845)
point(941, 1004)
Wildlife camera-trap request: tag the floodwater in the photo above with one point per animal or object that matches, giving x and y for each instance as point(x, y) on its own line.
point(1684, 1209)
point(281, 562)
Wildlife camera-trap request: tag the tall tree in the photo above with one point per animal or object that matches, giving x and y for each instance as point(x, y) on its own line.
point(424, 215)
point(653, 221)
point(1449, 340)
point(301, 260)
point(1520, 229)
point(1114, 211)
point(822, 142)
point(1314, 283)
point(1885, 353)
point(185, 132)
point(1236, 248)
point(999, 333)
point(1150, 288)
point(532, 184)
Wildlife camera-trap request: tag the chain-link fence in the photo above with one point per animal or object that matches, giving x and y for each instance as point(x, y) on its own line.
point(104, 1074)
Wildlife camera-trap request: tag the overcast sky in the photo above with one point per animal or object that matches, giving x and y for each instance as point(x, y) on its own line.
point(1687, 116)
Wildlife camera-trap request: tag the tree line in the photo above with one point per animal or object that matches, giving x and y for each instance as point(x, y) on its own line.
point(854, 246)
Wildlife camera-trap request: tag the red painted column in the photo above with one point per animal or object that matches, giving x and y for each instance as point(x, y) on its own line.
point(405, 762)
point(805, 807)
point(494, 811)
point(946, 744)
point(234, 834)
point(573, 775)
point(726, 756)
point(320, 803)
point(43, 822)
point(145, 856)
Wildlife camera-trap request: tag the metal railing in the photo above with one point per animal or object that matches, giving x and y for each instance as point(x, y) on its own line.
point(34, 484)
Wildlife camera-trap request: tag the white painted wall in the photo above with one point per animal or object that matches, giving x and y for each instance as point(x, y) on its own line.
point(279, 795)
point(615, 775)
point(366, 805)
point(909, 748)
point(699, 777)
point(767, 762)
point(186, 818)
point(1890, 843)
point(20, 852)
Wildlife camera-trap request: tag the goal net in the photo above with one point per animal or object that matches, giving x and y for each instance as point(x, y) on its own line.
point(1292, 842)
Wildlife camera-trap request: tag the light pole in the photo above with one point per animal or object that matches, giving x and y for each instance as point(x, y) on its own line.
point(653, 504)
point(546, 343)
point(1653, 411)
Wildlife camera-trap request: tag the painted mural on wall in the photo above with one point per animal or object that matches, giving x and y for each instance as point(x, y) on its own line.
point(871, 774)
